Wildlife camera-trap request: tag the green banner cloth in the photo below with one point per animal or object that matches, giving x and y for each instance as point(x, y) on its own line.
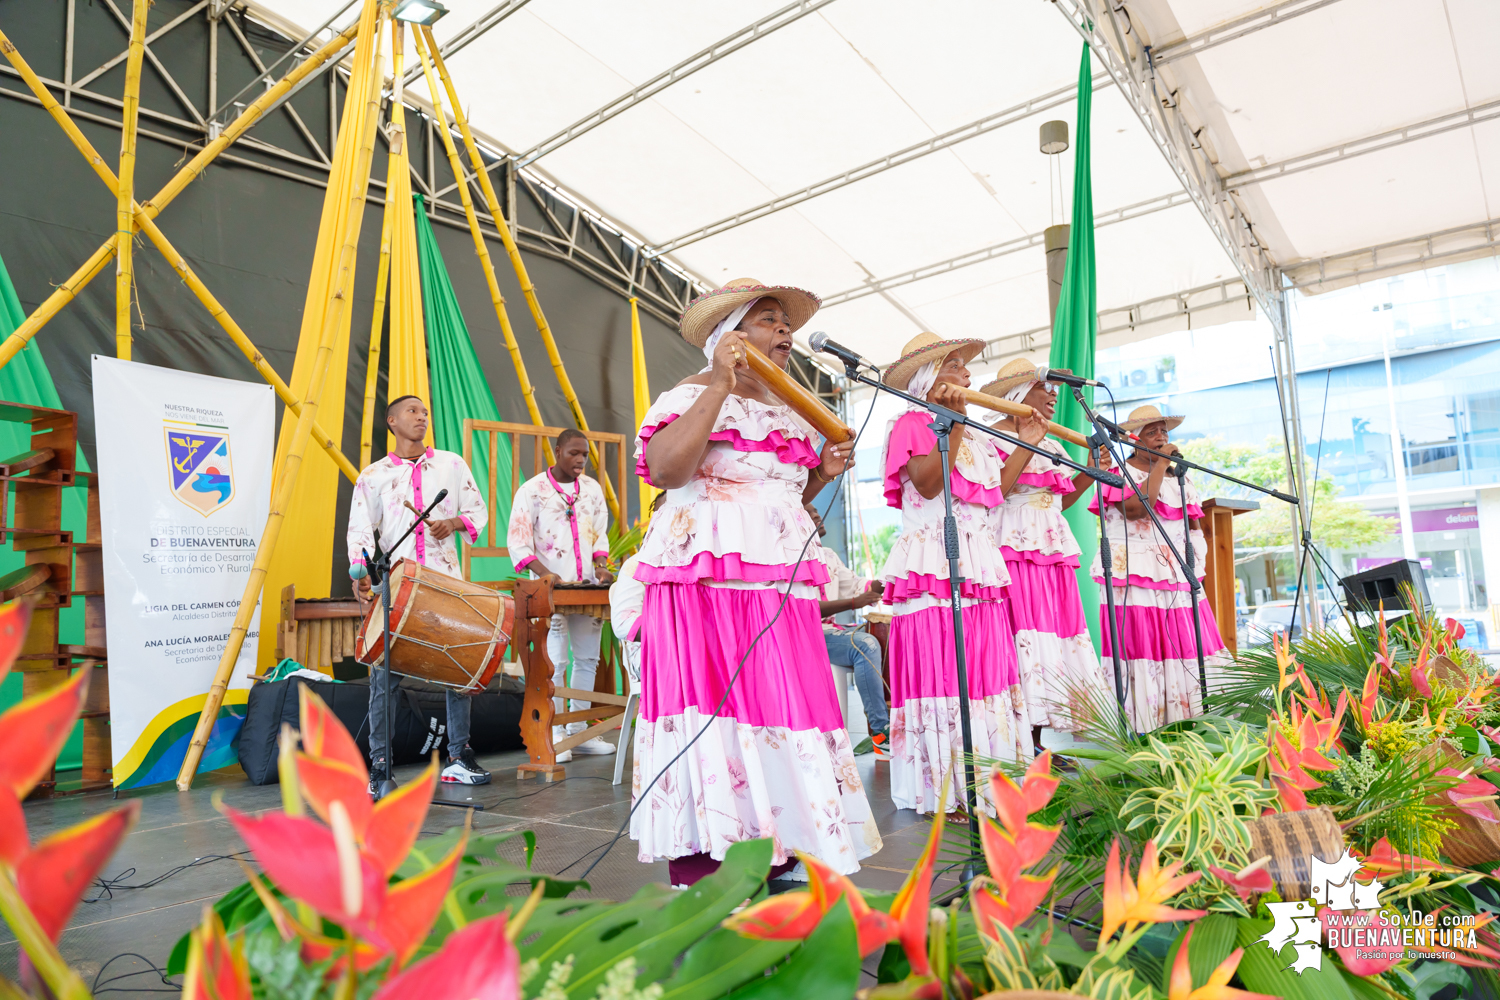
point(27, 380)
point(1074, 332)
point(459, 390)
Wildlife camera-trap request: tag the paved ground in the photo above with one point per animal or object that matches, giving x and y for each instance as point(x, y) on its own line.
point(138, 927)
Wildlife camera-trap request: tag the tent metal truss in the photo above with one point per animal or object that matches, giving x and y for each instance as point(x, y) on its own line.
point(728, 45)
point(1337, 270)
point(1489, 111)
point(472, 32)
point(1140, 319)
point(1238, 28)
point(875, 286)
point(544, 219)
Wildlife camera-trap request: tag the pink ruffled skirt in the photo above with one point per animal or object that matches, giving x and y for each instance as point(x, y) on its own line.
point(1061, 677)
point(1159, 656)
point(926, 731)
point(776, 761)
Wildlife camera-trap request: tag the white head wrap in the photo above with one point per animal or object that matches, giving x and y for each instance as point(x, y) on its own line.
point(725, 325)
point(1017, 394)
point(922, 380)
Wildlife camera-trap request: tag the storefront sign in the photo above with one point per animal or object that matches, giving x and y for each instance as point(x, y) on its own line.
point(185, 488)
point(1444, 519)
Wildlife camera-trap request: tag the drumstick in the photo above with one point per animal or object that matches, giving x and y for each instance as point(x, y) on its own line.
point(1005, 406)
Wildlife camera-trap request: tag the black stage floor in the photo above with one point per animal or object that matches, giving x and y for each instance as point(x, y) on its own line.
point(569, 818)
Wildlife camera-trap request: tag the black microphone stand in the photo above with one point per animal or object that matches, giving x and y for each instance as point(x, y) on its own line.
point(1195, 586)
point(1099, 442)
point(943, 422)
point(379, 568)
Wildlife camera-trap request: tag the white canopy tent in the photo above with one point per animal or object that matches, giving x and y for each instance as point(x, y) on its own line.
point(885, 154)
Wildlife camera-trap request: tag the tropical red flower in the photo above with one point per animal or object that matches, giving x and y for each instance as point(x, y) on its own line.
point(215, 970)
point(1130, 904)
point(1472, 794)
point(909, 910)
point(792, 916)
point(15, 621)
point(1217, 988)
point(53, 875)
point(477, 962)
point(1247, 882)
point(1384, 859)
point(1007, 896)
point(32, 732)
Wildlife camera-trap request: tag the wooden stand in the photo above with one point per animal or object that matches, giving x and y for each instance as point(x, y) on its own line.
point(536, 602)
point(57, 569)
point(317, 632)
point(1218, 562)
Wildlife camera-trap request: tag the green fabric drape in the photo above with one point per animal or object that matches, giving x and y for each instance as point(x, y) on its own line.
point(27, 380)
point(1074, 331)
point(459, 390)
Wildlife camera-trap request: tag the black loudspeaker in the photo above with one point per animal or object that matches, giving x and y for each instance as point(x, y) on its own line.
point(1386, 586)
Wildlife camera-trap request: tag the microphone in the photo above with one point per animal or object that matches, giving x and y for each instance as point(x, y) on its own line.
point(820, 343)
point(439, 498)
point(1066, 378)
point(1120, 433)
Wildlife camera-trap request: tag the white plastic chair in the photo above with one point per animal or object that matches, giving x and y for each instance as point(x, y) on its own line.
point(630, 652)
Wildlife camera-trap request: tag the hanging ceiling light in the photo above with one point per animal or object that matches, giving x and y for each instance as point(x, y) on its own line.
point(424, 12)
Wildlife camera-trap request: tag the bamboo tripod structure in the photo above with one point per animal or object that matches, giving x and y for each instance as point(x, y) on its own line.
point(144, 213)
point(528, 289)
point(125, 188)
point(343, 286)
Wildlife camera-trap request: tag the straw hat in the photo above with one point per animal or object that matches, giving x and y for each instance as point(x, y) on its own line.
point(709, 309)
point(925, 347)
point(1141, 416)
point(1016, 372)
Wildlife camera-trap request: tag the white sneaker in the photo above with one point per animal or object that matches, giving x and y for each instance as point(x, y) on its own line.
point(558, 735)
point(797, 874)
point(595, 746)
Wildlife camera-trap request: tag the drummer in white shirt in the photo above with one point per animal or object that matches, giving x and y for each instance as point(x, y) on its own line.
point(413, 474)
point(558, 528)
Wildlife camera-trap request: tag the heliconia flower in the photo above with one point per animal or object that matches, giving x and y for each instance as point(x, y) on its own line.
point(324, 868)
point(1021, 899)
point(1013, 805)
point(1419, 681)
point(1217, 988)
point(477, 962)
point(33, 731)
point(793, 916)
point(1472, 794)
point(909, 910)
point(1384, 859)
point(1248, 881)
point(52, 876)
point(215, 970)
point(1364, 959)
point(15, 620)
point(332, 770)
point(786, 916)
point(1368, 697)
point(1130, 903)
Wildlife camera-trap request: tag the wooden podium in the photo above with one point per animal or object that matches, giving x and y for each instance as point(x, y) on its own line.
point(536, 602)
point(1218, 562)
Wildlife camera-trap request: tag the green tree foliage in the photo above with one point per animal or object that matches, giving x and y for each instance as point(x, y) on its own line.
point(1337, 523)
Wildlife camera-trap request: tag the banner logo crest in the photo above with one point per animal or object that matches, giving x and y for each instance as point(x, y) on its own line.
point(199, 468)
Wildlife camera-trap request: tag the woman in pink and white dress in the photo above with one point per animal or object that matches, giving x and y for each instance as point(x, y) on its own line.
point(1060, 672)
point(732, 570)
point(925, 724)
point(1153, 604)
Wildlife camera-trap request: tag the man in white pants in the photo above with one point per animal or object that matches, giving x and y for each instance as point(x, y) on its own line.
point(559, 528)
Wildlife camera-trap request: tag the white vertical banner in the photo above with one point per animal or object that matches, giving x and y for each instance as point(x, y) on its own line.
point(185, 487)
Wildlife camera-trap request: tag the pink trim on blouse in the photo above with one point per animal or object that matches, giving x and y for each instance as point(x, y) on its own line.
point(793, 451)
point(572, 516)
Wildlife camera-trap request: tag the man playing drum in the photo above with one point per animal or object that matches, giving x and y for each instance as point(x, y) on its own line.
point(410, 476)
point(558, 528)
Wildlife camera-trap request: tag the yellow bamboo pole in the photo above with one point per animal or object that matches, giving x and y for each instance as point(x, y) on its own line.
point(372, 365)
point(69, 289)
point(641, 389)
point(527, 288)
point(142, 218)
point(481, 245)
point(343, 286)
point(125, 187)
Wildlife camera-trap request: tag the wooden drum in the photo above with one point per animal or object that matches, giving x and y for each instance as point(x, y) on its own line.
point(443, 629)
